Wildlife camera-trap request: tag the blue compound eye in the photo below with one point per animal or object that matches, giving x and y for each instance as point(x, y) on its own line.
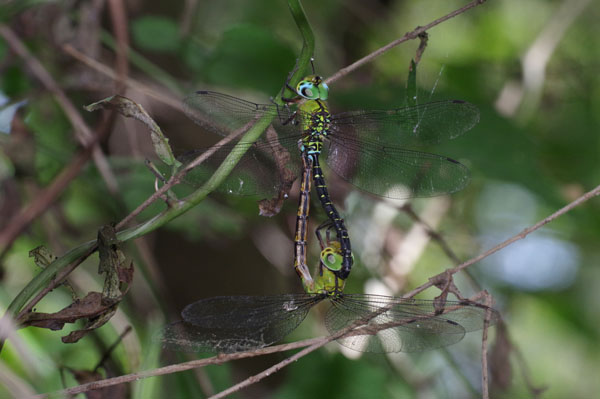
point(306, 90)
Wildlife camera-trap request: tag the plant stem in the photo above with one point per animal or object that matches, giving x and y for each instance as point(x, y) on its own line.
point(46, 276)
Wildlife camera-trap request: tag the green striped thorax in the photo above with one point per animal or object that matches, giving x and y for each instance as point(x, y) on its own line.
point(315, 117)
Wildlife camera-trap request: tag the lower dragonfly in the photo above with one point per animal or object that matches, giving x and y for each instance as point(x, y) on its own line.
point(372, 323)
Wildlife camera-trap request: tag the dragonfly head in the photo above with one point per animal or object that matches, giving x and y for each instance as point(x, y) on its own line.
point(312, 87)
point(330, 263)
point(331, 257)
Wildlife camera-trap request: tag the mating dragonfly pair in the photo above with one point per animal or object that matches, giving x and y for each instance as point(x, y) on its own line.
point(362, 147)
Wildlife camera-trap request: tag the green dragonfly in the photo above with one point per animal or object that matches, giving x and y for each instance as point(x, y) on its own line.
point(373, 323)
point(375, 150)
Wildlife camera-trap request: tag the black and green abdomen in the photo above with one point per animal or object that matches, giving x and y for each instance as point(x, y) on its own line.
point(335, 219)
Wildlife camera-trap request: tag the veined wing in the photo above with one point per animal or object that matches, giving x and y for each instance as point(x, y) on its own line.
point(225, 114)
point(413, 126)
point(389, 324)
point(394, 172)
point(237, 323)
point(267, 166)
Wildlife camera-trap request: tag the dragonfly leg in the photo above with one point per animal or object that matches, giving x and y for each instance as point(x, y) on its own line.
point(328, 226)
point(288, 86)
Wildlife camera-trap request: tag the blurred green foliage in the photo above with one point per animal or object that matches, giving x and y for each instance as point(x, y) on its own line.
point(155, 33)
point(535, 149)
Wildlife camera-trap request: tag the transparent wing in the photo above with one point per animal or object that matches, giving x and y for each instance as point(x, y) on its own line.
point(388, 324)
point(224, 114)
point(269, 164)
point(413, 126)
point(366, 148)
point(237, 323)
point(266, 168)
point(372, 149)
point(394, 172)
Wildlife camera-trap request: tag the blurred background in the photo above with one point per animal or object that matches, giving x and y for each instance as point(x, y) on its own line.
point(531, 69)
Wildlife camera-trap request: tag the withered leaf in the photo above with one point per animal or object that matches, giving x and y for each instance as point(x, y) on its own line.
point(445, 283)
point(90, 325)
point(95, 307)
point(111, 260)
point(131, 109)
point(500, 365)
point(42, 256)
point(89, 307)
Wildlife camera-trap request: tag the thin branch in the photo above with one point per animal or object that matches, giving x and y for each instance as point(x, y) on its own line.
point(180, 207)
point(86, 137)
point(437, 237)
point(485, 390)
point(176, 179)
point(19, 222)
point(360, 326)
point(407, 36)
point(273, 369)
point(172, 101)
point(585, 197)
point(118, 17)
point(83, 132)
point(175, 368)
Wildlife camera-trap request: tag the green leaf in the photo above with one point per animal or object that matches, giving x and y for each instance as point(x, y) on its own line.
point(15, 81)
point(194, 55)
point(156, 34)
point(54, 139)
point(411, 85)
point(250, 56)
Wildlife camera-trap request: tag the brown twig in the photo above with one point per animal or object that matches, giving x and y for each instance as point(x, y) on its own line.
point(174, 368)
point(118, 17)
point(19, 222)
point(273, 369)
point(82, 131)
point(424, 38)
point(169, 100)
point(111, 348)
point(585, 197)
point(484, 350)
point(359, 327)
point(437, 237)
point(177, 178)
point(85, 136)
point(408, 36)
point(187, 16)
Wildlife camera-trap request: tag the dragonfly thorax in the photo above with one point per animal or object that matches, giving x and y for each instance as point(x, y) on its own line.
point(315, 121)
